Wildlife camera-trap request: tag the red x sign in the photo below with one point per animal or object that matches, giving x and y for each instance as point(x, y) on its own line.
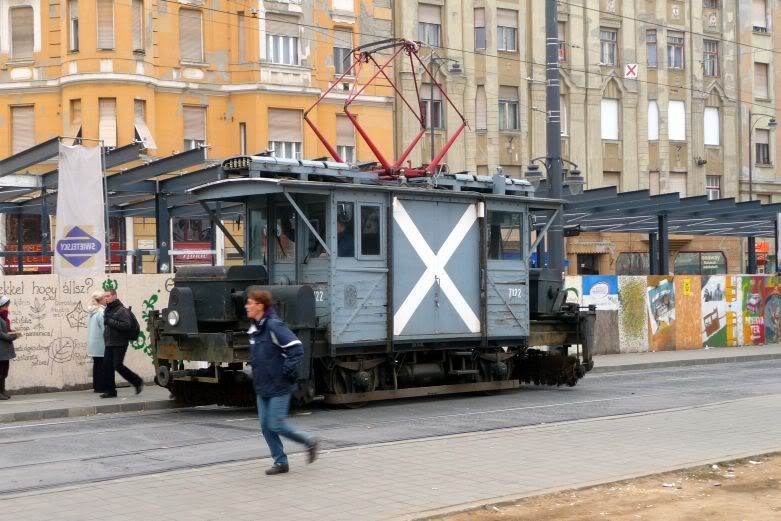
point(630, 71)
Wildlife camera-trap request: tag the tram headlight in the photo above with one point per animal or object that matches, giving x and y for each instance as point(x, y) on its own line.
point(173, 318)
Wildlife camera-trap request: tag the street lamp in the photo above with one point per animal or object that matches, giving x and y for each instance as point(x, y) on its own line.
point(455, 69)
point(771, 125)
point(573, 180)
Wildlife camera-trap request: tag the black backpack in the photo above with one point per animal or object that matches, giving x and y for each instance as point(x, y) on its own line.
point(135, 327)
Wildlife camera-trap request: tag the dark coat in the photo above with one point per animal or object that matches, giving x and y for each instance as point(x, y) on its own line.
point(117, 323)
point(275, 353)
point(7, 351)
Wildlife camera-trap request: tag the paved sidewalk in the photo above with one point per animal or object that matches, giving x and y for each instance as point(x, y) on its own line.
point(413, 479)
point(33, 407)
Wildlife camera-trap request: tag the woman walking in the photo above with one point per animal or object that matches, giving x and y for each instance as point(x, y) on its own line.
point(7, 337)
point(95, 345)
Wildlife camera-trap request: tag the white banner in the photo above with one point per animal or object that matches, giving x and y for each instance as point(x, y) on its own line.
point(80, 243)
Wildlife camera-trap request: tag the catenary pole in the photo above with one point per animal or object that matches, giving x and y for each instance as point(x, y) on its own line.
point(553, 134)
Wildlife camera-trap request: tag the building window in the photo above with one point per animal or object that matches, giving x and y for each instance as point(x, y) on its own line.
point(345, 139)
point(137, 21)
point(710, 58)
point(241, 36)
point(429, 24)
point(480, 41)
point(22, 30)
point(285, 135)
point(504, 235)
point(143, 134)
point(343, 44)
point(650, 49)
point(107, 124)
point(562, 29)
point(73, 25)
point(712, 124)
point(563, 115)
point(608, 42)
point(481, 109)
point(242, 138)
point(676, 115)
point(105, 24)
point(702, 263)
point(760, 16)
point(507, 30)
point(371, 229)
point(74, 129)
point(762, 146)
point(190, 35)
point(22, 128)
point(675, 58)
point(761, 86)
point(509, 117)
point(432, 111)
point(609, 110)
point(653, 120)
point(632, 264)
point(282, 40)
point(194, 127)
point(710, 4)
point(713, 187)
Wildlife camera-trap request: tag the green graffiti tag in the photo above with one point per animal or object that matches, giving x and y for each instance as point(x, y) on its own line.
point(143, 342)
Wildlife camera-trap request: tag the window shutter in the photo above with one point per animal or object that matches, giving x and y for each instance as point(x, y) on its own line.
point(609, 118)
point(142, 129)
point(23, 128)
point(508, 93)
point(653, 121)
point(194, 123)
point(676, 121)
point(190, 35)
point(762, 136)
point(282, 24)
point(760, 13)
point(760, 80)
point(479, 17)
point(430, 14)
point(22, 33)
point(286, 125)
point(343, 39)
point(712, 126)
point(507, 18)
point(481, 109)
point(345, 132)
point(677, 183)
point(105, 24)
point(107, 126)
point(137, 20)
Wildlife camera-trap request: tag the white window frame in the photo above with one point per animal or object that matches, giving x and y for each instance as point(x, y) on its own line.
point(437, 117)
point(652, 42)
point(73, 26)
point(676, 51)
point(562, 33)
point(506, 38)
point(509, 115)
point(346, 152)
point(608, 47)
point(713, 187)
point(282, 49)
point(289, 149)
point(710, 58)
point(430, 34)
point(762, 150)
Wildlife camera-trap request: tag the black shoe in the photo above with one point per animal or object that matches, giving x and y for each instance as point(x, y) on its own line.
point(140, 387)
point(4, 396)
point(277, 469)
point(311, 451)
point(108, 395)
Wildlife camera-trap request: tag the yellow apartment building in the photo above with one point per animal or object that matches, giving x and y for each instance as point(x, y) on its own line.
point(234, 76)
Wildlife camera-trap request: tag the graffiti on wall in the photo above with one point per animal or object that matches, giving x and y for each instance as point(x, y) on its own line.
point(632, 323)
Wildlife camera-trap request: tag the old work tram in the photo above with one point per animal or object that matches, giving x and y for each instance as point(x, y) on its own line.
point(397, 287)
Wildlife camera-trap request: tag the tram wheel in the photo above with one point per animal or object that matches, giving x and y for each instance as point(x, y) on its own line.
point(342, 381)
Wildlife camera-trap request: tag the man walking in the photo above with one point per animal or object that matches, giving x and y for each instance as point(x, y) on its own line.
point(118, 325)
point(275, 355)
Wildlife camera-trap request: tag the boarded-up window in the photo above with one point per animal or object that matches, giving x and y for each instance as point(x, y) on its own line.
point(137, 20)
point(143, 133)
point(653, 121)
point(677, 183)
point(107, 125)
point(609, 110)
point(481, 109)
point(676, 121)
point(22, 31)
point(712, 126)
point(760, 80)
point(190, 35)
point(22, 128)
point(194, 127)
point(105, 24)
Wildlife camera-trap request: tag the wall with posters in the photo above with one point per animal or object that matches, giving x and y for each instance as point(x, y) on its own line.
point(51, 313)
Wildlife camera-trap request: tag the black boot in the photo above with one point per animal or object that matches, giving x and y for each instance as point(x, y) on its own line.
point(3, 394)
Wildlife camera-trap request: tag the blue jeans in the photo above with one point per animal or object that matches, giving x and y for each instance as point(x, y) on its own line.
point(273, 422)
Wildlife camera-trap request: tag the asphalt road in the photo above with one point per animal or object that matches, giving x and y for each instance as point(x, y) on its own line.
point(39, 455)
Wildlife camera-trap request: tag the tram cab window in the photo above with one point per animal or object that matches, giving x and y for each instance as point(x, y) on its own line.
point(258, 237)
point(345, 229)
point(285, 234)
point(370, 230)
point(315, 213)
point(504, 235)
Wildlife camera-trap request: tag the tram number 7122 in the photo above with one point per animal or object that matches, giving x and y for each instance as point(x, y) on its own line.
point(515, 292)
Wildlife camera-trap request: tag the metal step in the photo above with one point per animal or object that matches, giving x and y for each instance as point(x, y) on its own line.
point(461, 372)
point(461, 353)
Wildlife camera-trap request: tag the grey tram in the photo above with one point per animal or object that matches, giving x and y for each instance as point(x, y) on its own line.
point(397, 288)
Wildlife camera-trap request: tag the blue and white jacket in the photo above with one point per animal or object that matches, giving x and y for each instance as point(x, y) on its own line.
point(275, 353)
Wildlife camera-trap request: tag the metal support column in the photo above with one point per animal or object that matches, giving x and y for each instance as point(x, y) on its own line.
point(751, 268)
point(45, 228)
point(653, 254)
point(664, 246)
point(553, 134)
point(19, 242)
point(163, 231)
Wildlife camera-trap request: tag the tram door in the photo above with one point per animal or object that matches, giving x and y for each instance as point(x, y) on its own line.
point(314, 263)
point(436, 272)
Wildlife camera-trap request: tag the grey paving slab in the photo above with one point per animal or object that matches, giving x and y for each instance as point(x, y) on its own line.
point(432, 474)
point(660, 359)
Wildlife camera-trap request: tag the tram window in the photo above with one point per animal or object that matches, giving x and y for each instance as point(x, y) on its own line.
point(258, 236)
point(504, 235)
point(370, 230)
point(315, 212)
point(345, 229)
point(285, 235)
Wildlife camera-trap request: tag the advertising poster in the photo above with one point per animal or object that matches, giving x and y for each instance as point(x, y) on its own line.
point(714, 311)
point(661, 312)
point(600, 291)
